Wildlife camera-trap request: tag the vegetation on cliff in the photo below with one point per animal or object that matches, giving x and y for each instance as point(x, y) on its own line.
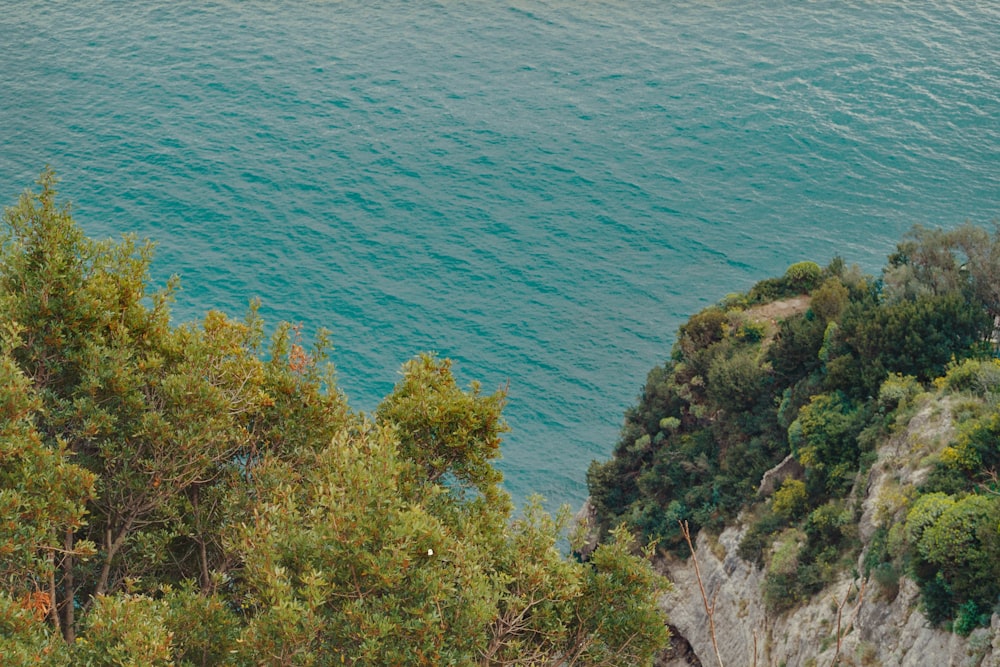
point(195, 495)
point(822, 364)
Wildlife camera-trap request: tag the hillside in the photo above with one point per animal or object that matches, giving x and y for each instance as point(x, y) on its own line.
point(831, 439)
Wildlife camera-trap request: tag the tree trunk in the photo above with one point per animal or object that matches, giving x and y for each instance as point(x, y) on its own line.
point(53, 606)
point(111, 548)
point(206, 576)
point(69, 590)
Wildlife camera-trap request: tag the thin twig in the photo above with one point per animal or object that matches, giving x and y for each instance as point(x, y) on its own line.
point(854, 616)
point(709, 609)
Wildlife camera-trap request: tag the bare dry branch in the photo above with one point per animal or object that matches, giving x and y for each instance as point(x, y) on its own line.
point(709, 609)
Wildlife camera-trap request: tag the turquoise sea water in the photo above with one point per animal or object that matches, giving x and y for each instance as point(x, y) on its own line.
point(541, 190)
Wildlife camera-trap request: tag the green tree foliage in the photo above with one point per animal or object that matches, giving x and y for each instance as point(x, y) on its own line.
point(191, 495)
point(452, 436)
point(616, 615)
point(25, 639)
point(936, 261)
point(830, 299)
point(125, 629)
point(824, 439)
point(736, 381)
point(791, 499)
point(42, 494)
point(340, 556)
point(361, 553)
point(957, 553)
point(919, 338)
point(159, 415)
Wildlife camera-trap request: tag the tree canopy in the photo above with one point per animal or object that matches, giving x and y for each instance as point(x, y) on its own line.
point(201, 494)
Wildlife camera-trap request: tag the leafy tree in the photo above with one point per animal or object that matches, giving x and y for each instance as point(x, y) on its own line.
point(824, 439)
point(361, 553)
point(965, 259)
point(917, 337)
point(152, 411)
point(42, 495)
point(964, 542)
point(340, 562)
point(616, 620)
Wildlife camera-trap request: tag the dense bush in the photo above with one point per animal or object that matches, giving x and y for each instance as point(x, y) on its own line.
point(957, 552)
point(824, 439)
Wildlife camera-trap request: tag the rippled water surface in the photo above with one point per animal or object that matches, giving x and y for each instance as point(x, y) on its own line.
point(542, 191)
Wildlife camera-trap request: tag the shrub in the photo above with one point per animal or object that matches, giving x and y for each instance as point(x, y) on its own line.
point(757, 539)
point(737, 382)
point(790, 501)
point(751, 332)
point(803, 276)
point(936, 598)
point(924, 513)
point(897, 391)
point(829, 299)
point(701, 330)
point(978, 376)
point(887, 576)
point(824, 439)
point(969, 617)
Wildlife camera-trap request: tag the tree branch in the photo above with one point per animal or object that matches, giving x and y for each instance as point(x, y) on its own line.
point(709, 609)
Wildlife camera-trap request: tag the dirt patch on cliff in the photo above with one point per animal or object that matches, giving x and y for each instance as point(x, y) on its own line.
point(779, 310)
point(770, 314)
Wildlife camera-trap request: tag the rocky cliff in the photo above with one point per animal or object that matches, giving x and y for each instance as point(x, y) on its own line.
point(855, 620)
point(872, 629)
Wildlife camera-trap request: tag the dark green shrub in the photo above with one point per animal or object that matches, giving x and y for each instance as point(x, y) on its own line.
point(783, 591)
point(824, 439)
point(969, 617)
point(794, 353)
point(918, 337)
point(945, 479)
point(878, 550)
point(702, 330)
point(829, 299)
point(936, 599)
point(758, 538)
point(887, 576)
point(736, 382)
